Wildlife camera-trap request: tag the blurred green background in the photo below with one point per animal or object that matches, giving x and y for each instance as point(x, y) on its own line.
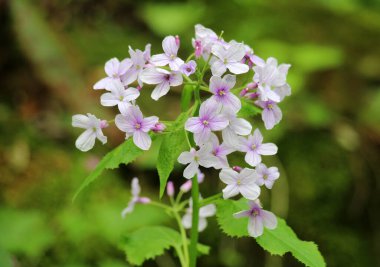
point(53, 51)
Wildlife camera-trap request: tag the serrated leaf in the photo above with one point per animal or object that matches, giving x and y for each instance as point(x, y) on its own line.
point(277, 241)
point(227, 223)
point(172, 145)
point(248, 109)
point(149, 242)
point(124, 153)
point(283, 239)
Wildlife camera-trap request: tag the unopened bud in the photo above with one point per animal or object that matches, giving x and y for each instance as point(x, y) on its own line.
point(252, 85)
point(170, 189)
point(104, 124)
point(237, 168)
point(244, 92)
point(186, 186)
point(158, 127)
point(177, 40)
point(198, 48)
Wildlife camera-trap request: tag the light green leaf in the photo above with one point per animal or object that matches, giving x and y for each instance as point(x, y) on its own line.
point(278, 241)
point(248, 109)
point(282, 240)
point(149, 242)
point(203, 249)
point(124, 153)
point(172, 145)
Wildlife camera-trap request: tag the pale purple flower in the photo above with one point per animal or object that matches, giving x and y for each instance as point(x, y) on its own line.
point(243, 182)
point(204, 40)
point(93, 131)
point(188, 68)
point(229, 58)
point(140, 60)
point(170, 47)
point(270, 77)
point(163, 78)
point(266, 176)
point(133, 123)
point(257, 218)
point(220, 151)
point(254, 148)
point(250, 58)
point(237, 126)
point(186, 186)
point(196, 158)
point(114, 70)
point(170, 189)
point(204, 212)
point(135, 191)
point(220, 88)
point(209, 120)
point(119, 96)
point(271, 113)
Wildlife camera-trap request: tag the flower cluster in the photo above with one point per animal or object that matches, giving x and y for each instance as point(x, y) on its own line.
point(217, 130)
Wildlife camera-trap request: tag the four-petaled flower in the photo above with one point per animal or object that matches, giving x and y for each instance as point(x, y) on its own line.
point(194, 158)
point(271, 113)
point(220, 87)
point(266, 176)
point(209, 120)
point(257, 218)
point(243, 182)
point(163, 78)
point(254, 148)
point(170, 47)
point(220, 151)
point(188, 68)
point(119, 96)
point(140, 60)
point(228, 58)
point(93, 127)
point(133, 123)
point(135, 191)
point(114, 70)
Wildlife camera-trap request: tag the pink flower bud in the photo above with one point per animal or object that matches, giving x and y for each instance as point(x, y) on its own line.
point(253, 95)
point(252, 85)
point(104, 124)
point(244, 92)
point(237, 168)
point(143, 200)
point(198, 48)
point(139, 87)
point(158, 127)
point(186, 186)
point(170, 189)
point(177, 40)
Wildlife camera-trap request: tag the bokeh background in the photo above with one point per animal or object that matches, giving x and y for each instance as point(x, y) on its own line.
point(53, 51)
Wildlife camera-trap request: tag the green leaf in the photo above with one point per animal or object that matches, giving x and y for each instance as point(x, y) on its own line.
point(203, 249)
point(172, 145)
point(149, 242)
point(248, 109)
point(227, 223)
point(186, 95)
point(277, 241)
point(124, 153)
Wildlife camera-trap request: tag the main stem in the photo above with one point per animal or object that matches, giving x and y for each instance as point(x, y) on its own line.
point(194, 223)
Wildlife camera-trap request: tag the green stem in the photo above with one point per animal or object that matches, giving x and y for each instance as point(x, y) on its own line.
point(183, 237)
point(210, 200)
point(194, 223)
point(180, 256)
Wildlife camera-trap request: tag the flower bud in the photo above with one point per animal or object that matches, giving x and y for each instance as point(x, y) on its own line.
point(244, 91)
point(104, 124)
point(138, 87)
point(158, 127)
point(170, 189)
point(198, 48)
point(252, 85)
point(186, 186)
point(177, 40)
point(237, 168)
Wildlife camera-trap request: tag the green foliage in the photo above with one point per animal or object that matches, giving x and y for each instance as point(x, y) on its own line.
point(23, 232)
point(278, 241)
point(149, 242)
point(248, 109)
point(124, 153)
point(172, 145)
point(186, 95)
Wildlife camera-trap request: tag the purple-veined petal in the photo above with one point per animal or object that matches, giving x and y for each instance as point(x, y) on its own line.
point(160, 60)
point(230, 191)
point(228, 176)
point(218, 68)
point(103, 83)
point(142, 140)
point(160, 90)
point(86, 140)
point(241, 126)
point(112, 67)
point(124, 66)
point(267, 149)
point(191, 170)
point(131, 94)
point(202, 137)
point(219, 122)
point(109, 100)
point(176, 64)
point(235, 53)
point(252, 158)
point(251, 191)
point(257, 137)
point(123, 124)
point(170, 46)
point(148, 123)
point(242, 214)
point(80, 121)
point(186, 157)
point(153, 76)
point(175, 78)
point(268, 118)
point(255, 226)
point(194, 125)
point(230, 138)
point(100, 136)
point(232, 102)
point(269, 219)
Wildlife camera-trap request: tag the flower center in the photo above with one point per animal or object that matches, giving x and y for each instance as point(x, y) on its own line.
point(221, 92)
point(172, 56)
point(205, 122)
point(265, 176)
point(253, 147)
point(137, 126)
point(255, 212)
point(238, 181)
point(115, 75)
point(270, 106)
point(167, 77)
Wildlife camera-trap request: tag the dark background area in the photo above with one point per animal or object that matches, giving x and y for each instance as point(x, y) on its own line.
point(53, 51)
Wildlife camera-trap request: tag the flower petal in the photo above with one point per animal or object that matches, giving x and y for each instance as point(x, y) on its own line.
point(241, 126)
point(252, 158)
point(160, 60)
point(142, 140)
point(112, 67)
point(267, 149)
point(255, 226)
point(228, 176)
point(86, 140)
point(250, 192)
point(80, 121)
point(191, 170)
point(230, 191)
point(160, 90)
point(170, 46)
point(269, 219)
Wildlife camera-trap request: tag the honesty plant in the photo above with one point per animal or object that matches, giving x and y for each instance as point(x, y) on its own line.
point(224, 86)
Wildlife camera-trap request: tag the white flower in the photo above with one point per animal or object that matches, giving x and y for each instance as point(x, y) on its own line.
point(229, 58)
point(170, 47)
point(194, 158)
point(119, 96)
point(243, 183)
point(93, 127)
point(114, 70)
point(204, 212)
point(135, 191)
